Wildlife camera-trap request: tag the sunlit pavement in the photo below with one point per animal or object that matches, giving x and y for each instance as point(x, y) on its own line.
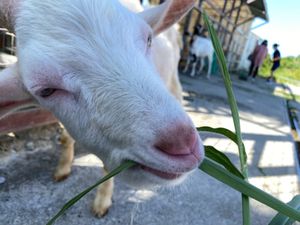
point(265, 127)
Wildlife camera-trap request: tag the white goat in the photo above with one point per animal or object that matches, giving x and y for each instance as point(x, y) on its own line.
point(89, 62)
point(200, 49)
point(165, 52)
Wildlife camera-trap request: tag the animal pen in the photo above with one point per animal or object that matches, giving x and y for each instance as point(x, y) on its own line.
point(232, 20)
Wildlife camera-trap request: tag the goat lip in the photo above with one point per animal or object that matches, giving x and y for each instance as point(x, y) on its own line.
point(162, 174)
point(167, 166)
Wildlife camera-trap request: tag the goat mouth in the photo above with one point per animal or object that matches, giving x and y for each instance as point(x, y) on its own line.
point(161, 174)
point(169, 167)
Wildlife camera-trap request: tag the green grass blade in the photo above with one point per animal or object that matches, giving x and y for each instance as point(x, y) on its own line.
point(234, 112)
point(229, 91)
point(246, 210)
point(222, 159)
point(281, 219)
point(220, 130)
point(124, 166)
point(225, 132)
point(221, 174)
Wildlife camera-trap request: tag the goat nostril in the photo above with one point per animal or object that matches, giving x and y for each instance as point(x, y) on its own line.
point(178, 141)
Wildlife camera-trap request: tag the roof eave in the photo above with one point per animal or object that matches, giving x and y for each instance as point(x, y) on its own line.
point(259, 9)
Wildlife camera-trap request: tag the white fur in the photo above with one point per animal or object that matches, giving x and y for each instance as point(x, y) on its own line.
point(201, 47)
point(165, 52)
point(110, 96)
point(109, 93)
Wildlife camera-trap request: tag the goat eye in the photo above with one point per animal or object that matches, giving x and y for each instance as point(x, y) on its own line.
point(149, 41)
point(47, 92)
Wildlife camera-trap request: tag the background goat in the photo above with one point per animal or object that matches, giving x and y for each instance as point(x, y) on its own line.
point(200, 49)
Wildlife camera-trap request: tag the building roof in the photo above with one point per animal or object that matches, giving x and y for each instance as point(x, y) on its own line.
point(259, 8)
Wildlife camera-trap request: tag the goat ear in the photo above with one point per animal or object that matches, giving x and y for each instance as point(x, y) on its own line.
point(165, 15)
point(13, 95)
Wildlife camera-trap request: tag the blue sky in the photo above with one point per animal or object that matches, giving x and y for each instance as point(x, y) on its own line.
point(283, 27)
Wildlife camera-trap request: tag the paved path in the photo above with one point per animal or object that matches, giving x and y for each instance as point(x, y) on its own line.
point(29, 196)
point(6, 59)
point(264, 124)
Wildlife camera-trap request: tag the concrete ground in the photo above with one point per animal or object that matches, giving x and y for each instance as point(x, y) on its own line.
point(6, 59)
point(29, 196)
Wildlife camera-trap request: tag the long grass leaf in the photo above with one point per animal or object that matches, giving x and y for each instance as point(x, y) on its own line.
point(229, 91)
point(222, 131)
point(234, 112)
point(213, 169)
point(281, 219)
point(124, 166)
point(219, 157)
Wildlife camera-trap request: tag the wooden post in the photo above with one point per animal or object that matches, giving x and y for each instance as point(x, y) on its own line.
point(185, 33)
point(229, 17)
point(198, 20)
point(232, 34)
point(234, 28)
point(222, 16)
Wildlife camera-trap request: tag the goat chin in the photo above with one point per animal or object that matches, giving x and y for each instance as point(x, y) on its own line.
point(144, 180)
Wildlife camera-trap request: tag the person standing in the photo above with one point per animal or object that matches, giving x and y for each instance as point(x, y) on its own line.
point(276, 62)
point(257, 58)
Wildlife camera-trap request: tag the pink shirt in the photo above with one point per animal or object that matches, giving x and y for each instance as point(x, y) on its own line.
point(259, 54)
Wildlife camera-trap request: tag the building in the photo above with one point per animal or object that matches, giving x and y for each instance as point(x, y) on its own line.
point(232, 20)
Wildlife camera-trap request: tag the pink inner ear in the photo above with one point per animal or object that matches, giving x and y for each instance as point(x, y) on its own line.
point(176, 9)
point(12, 92)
